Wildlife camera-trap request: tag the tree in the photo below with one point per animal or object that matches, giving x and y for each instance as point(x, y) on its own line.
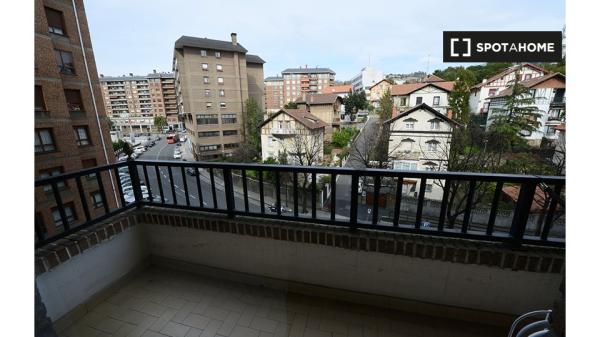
point(519, 116)
point(304, 150)
point(355, 101)
point(254, 116)
point(458, 100)
point(118, 145)
point(386, 107)
point(160, 122)
point(291, 105)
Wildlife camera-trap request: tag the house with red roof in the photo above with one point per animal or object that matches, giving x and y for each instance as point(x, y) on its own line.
point(433, 91)
point(492, 86)
point(549, 94)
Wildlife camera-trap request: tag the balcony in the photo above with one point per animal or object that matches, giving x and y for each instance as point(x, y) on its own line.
point(283, 131)
point(558, 101)
point(197, 247)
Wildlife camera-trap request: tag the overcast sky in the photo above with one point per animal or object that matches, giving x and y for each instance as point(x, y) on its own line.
point(137, 36)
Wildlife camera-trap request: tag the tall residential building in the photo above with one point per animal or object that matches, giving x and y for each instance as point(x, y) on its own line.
point(274, 94)
point(367, 77)
point(132, 102)
point(213, 79)
point(299, 82)
point(71, 128)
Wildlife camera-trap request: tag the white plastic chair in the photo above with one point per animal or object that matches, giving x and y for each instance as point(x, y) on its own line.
point(541, 328)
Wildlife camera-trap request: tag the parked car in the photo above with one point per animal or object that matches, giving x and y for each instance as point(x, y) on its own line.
point(157, 138)
point(273, 208)
point(191, 171)
point(177, 155)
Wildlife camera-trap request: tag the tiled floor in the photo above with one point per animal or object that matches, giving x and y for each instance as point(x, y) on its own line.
point(159, 303)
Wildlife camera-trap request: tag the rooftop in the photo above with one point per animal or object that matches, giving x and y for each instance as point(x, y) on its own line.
point(319, 99)
point(197, 42)
point(307, 119)
point(254, 59)
point(308, 71)
point(274, 78)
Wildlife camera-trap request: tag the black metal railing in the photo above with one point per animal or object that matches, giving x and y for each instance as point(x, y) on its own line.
point(477, 206)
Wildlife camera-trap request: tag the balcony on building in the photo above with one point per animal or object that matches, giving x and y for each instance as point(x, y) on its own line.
point(193, 248)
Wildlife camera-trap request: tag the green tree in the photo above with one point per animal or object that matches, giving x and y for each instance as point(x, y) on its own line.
point(254, 116)
point(459, 96)
point(519, 116)
point(291, 105)
point(386, 107)
point(118, 145)
point(160, 122)
point(355, 101)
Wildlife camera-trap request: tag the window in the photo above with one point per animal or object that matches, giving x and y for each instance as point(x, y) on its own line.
point(428, 187)
point(64, 59)
point(82, 135)
point(74, 102)
point(206, 92)
point(218, 54)
point(434, 124)
point(44, 141)
point(220, 80)
point(436, 100)
point(230, 132)
point(409, 125)
point(493, 92)
point(407, 165)
point(207, 119)
point(403, 101)
point(221, 92)
point(202, 52)
point(432, 145)
point(406, 144)
point(419, 100)
point(97, 199)
point(205, 66)
point(209, 104)
point(486, 107)
point(89, 163)
point(527, 76)
point(223, 105)
point(219, 67)
point(206, 134)
point(231, 146)
point(56, 23)
point(206, 80)
point(228, 119)
point(54, 171)
point(69, 213)
point(209, 147)
point(40, 105)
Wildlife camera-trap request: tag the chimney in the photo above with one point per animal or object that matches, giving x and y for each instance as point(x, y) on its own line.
point(154, 70)
point(234, 39)
point(101, 75)
point(130, 74)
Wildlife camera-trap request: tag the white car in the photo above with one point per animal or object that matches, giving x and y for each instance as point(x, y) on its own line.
point(177, 155)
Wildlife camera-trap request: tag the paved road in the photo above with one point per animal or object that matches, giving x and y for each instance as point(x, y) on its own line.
point(344, 182)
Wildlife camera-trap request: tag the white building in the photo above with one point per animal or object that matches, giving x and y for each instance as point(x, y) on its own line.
point(434, 93)
point(283, 130)
point(367, 77)
point(549, 94)
point(420, 140)
point(492, 86)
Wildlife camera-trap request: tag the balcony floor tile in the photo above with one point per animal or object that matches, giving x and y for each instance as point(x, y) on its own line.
point(160, 302)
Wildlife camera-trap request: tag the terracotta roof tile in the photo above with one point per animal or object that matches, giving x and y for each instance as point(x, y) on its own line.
point(337, 89)
point(405, 89)
point(307, 119)
point(317, 99)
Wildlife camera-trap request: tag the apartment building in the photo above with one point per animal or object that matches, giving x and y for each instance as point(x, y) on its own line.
point(274, 94)
point(549, 101)
point(367, 77)
point(213, 80)
point(71, 127)
point(290, 130)
point(299, 82)
point(132, 102)
point(420, 139)
point(162, 94)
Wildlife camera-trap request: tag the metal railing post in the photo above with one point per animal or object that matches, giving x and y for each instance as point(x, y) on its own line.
point(519, 222)
point(135, 182)
point(229, 197)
